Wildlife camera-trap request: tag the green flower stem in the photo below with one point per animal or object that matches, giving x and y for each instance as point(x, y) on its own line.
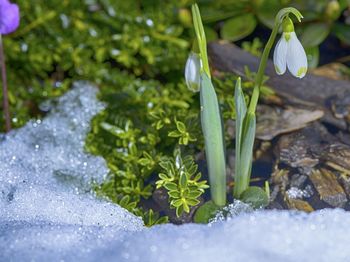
point(264, 58)
point(262, 66)
point(244, 145)
point(5, 100)
point(245, 121)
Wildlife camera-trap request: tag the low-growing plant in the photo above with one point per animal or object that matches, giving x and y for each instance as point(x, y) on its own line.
point(182, 181)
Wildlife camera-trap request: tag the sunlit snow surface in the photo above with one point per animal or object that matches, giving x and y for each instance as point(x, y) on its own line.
point(47, 211)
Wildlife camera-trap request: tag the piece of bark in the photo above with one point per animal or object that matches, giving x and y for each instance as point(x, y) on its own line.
point(310, 92)
point(275, 121)
point(329, 189)
point(337, 156)
point(345, 182)
point(299, 204)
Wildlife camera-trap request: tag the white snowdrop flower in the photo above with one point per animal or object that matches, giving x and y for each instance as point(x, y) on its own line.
point(192, 72)
point(289, 53)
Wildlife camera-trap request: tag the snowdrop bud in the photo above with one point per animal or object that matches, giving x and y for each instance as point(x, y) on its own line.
point(192, 72)
point(289, 53)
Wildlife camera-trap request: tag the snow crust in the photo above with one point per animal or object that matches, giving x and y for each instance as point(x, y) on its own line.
point(48, 212)
point(45, 175)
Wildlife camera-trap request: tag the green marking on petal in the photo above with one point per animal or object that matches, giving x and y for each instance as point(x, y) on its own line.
point(301, 71)
point(286, 36)
point(277, 69)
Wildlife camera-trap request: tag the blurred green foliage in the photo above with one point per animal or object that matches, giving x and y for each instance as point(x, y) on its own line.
point(135, 52)
point(239, 19)
point(62, 41)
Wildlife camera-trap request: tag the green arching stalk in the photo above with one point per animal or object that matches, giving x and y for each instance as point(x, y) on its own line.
point(245, 131)
point(210, 120)
point(265, 56)
point(246, 124)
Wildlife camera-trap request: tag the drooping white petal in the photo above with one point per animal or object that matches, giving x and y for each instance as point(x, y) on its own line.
point(192, 72)
point(296, 57)
point(280, 56)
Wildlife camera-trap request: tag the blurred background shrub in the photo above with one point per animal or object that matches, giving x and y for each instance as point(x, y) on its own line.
point(60, 41)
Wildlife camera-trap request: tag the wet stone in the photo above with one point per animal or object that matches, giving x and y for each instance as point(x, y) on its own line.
point(328, 187)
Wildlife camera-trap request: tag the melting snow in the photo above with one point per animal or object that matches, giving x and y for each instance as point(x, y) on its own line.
point(48, 213)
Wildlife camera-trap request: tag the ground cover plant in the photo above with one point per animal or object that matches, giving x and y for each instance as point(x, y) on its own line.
point(150, 133)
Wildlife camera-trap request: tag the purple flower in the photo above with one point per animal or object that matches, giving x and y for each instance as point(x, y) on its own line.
point(9, 17)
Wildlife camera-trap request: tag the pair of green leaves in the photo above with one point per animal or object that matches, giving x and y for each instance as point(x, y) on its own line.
point(245, 135)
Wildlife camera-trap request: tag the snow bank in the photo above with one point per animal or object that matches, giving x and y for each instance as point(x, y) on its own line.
point(45, 175)
point(47, 211)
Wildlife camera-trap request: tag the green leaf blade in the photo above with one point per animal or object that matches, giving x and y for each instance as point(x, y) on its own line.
point(241, 110)
point(214, 142)
point(246, 155)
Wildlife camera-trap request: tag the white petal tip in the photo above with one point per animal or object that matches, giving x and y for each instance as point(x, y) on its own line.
point(301, 72)
point(279, 71)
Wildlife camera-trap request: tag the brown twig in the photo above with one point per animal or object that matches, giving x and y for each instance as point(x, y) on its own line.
point(5, 101)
